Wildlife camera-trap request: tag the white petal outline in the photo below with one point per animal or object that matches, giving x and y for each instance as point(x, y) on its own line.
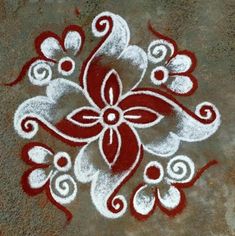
point(74, 112)
point(115, 45)
point(50, 46)
point(106, 78)
point(179, 64)
point(143, 204)
point(139, 125)
point(171, 199)
point(38, 178)
point(180, 84)
point(73, 41)
point(38, 154)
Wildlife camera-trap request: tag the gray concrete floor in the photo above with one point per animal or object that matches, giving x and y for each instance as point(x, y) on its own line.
point(204, 27)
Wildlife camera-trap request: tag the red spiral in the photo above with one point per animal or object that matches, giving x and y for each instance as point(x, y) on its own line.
point(27, 127)
point(204, 110)
point(115, 202)
point(101, 27)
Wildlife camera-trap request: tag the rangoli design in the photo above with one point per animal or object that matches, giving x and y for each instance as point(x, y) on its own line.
point(112, 119)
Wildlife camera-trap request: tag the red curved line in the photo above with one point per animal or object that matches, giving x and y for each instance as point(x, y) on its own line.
point(84, 64)
point(67, 213)
point(53, 133)
point(161, 36)
point(179, 186)
point(31, 191)
point(44, 35)
point(77, 11)
point(109, 202)
point(173, 212)
point(23, 72)
point(37, 44)
point(136, 214)
point(192, 114)
point(197, 176)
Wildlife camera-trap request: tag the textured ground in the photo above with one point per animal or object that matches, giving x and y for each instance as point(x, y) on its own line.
point(204, 27)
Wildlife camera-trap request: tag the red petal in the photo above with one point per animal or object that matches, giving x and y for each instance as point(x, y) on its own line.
point(111, 145)
point(129, 149)
point(141, 116)
point(147, 99)
point(94, 79)
point(77, 131)
point(111, 88)
point(85, 116)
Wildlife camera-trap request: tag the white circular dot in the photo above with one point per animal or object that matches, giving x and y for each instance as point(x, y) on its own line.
point(157, 165)
point(111, 116)
point(63, 72)
point(68, 159)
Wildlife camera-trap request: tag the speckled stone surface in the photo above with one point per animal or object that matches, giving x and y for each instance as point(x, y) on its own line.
point(205, 27)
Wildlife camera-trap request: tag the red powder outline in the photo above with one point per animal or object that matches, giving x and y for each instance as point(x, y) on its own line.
point(179, 186)
point(37, 44)
point(170, 97)
point(112, 196)
point(99, 27)
point(24, 179)
point(178, 52)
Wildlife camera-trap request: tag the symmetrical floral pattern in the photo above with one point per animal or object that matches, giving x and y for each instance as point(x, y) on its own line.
point(102, 109)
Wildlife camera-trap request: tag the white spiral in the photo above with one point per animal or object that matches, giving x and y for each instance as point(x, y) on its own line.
point(180, 169)
point(63, 188)
point(159, 49)
point(40, 73)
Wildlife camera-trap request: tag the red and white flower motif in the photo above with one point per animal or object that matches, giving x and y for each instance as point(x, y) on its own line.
point(173, 68)
point(49, 172)
point(179, 174)
point(57, 56)
point(105, 112)
point(112, 120)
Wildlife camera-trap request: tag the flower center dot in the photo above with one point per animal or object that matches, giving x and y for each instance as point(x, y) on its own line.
point(62, 162)
point(159, 75)
point(66, 65)
point(153, 172)
point(111, 116)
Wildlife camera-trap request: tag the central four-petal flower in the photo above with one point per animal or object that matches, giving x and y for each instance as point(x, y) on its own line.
point(112, 122)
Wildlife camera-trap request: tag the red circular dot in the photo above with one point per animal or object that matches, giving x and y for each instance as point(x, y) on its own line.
point(159, 75)
point(111, 116)
point(153, 172)
point(66, 65)
point(62, 162)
